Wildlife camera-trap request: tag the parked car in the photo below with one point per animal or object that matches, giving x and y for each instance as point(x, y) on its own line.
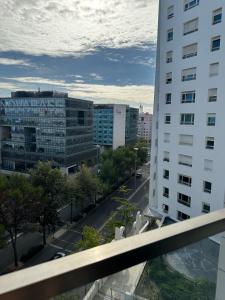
point(58, 255)
point(139, 173)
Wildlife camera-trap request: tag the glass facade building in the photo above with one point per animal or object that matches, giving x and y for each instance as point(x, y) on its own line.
point(115, 125)
point(45, 126)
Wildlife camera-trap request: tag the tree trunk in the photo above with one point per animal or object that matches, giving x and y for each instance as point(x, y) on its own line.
point(71, 211)
point(44, 234)
point(13, 241)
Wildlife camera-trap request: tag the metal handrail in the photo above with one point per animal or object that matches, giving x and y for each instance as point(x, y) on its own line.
point(58, 276)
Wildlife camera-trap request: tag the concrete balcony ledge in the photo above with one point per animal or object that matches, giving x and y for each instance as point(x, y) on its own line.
point(55, 277)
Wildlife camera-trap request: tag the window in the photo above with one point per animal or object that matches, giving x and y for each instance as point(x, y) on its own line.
point(153, 193)
point(215, 43)
point(166, 156)
point(184, 199)
point(188, 74)
point(168, 98)
point(165, 208)
point(191, 26)
point(183, 179)
point(168, 78)
point(186, 140)
point(167, 119)
point(205, 207)
point(212, 95)
point(170, 34)
point(166, 192)
point(208, 165)
point(188, 97)
point(207, 187)
point(170, 12)
point(185, 160)
point(209, 143)
point(154, 177)
point(182, 216)
point(188, 4)
point(214, 69)
point(166, 174)
point(217, 16)
point(169, 56)
point(211, 119)
point(190, 51)
point(166, 137)
point(187, 119)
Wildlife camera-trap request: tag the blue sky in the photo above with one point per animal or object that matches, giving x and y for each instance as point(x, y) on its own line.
point(93, 49)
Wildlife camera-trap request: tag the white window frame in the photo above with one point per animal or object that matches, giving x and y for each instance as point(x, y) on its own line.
point(206, 211)
point(217, 12)
point(169, 36)
point(185, 116)
point(193, 51)
point(211, 119)
point(205, 189)
point(181, 197)
point(185, 97)
point(192, 25)
point(214, 39)
point(212, 95)
point(188, 74)
point(181, 180)
point(210, 139)
point(188, 4)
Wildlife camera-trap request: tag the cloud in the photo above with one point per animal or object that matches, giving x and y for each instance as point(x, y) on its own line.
point(96, 76)
point(76, 27)
point(15, 62)
point(100, 93)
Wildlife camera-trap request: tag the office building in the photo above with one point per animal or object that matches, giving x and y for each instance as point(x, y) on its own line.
point(144, 125)
point(115, 125)
point(188, 162)
point(45, 126)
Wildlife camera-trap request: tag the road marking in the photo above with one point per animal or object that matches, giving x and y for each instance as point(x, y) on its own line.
point(61, 248)
point(131, 196)
point(75, 231)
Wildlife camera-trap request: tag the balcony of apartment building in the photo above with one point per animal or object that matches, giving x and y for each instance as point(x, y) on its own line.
point(124, 258)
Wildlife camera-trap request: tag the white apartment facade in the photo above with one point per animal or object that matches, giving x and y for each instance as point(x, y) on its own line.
point(188, 139)
point(144, 125)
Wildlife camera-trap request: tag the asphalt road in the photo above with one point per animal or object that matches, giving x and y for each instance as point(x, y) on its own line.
point(66, 243)
point(97, 218)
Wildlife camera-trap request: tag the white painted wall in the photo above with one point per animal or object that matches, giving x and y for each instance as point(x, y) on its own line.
point(200, 108)
point(119, 125)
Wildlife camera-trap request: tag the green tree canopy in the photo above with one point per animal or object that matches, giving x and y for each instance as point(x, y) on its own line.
point(17, 197)
point(90, 238)
point(53, 186)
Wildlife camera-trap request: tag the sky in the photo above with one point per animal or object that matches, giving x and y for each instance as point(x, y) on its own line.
point(99, 50)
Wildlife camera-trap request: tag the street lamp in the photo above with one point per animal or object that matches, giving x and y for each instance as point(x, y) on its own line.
point(135, 169)
point(98, 154)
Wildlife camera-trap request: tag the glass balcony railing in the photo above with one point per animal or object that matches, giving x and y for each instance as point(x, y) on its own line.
point(176, 261)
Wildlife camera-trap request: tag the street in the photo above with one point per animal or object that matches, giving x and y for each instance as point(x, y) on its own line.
point(97, 218)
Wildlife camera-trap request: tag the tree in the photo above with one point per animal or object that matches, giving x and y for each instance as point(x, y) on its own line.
point(89, 183)
point(2, 231)
point(53, 185)
point(75, 195)
point(17, 195)
point(125, 211)
point(90, 238)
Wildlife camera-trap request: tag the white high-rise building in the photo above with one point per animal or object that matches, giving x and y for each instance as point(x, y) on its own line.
point(188, 140)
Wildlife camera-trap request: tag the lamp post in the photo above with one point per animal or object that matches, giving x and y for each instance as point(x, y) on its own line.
point(135, 169)
point(98, 152)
